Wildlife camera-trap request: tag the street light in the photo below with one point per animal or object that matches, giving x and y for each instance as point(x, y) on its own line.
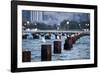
point(58, 26)
point(28, 22)
point(35, 24)
point(67, 24)
point(88, 24)
point(80, 26)
point(35, 27)
point(25, 24)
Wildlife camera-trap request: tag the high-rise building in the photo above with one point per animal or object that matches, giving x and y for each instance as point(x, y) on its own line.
point(36, 16)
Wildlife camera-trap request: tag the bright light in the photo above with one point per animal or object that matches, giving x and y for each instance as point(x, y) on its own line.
point(68, 36)
point(88, 24)
point(27, 29)
point(35, 29)
point(72, 35)
point(67, 22)
point(28, 22)
point(58, 37)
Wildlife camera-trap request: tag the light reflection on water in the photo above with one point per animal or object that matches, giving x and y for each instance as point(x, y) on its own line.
point(80, 50)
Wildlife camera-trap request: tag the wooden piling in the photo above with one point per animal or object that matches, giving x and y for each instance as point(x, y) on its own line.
point(26, 56)
point(46, 52)
point(57, 47)
point(68, 43)
point(73, 40)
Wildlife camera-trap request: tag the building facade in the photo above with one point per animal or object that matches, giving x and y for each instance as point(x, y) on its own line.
point(36, 16)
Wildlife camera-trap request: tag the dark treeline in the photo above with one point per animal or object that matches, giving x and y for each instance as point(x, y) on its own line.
point(73, 25)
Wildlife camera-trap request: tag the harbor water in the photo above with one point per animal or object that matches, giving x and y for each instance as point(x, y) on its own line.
point(80, 50)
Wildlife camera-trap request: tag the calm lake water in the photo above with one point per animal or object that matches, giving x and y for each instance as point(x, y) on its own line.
point(80, 50)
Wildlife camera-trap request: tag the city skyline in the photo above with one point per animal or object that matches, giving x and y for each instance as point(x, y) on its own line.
point(50, 17)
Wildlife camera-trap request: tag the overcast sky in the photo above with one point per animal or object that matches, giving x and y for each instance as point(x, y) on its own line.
point(60, 16)
point(51, 17)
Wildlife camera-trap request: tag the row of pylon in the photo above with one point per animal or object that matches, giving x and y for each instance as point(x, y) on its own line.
point(46, 49)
